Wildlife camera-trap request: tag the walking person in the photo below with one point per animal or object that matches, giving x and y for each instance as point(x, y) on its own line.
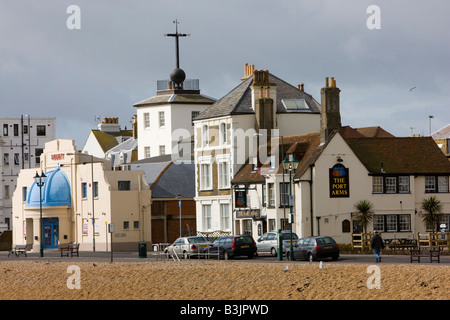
point(377, 244)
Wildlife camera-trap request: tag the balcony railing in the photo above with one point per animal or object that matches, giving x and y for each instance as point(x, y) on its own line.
point(188, 84)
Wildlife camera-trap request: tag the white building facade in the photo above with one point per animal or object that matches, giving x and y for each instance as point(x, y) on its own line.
point(22, 141)
point(80, 197)
point(167, 118)
point(227, 135)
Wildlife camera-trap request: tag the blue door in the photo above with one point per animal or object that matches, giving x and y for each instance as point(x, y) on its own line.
point(51, 232)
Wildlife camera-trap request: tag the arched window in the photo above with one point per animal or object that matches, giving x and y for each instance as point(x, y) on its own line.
point(346, 226)
point(205, 135)
point(223, 133)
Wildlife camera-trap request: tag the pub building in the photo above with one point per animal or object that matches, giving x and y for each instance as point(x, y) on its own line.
point(328, 172)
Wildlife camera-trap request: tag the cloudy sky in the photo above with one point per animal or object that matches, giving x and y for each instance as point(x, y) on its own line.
point(120, 51)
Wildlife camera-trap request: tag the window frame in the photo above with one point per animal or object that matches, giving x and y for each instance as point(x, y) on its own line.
point(84, 190)
point(284, 190)
point(205, 135)
point(41, 130)
point(392, 222)
point(206, 182)
point(146, 120)
point(206, 216)
point(162, 119)
point(124, 185)
point(435, 186)
point(223, 171)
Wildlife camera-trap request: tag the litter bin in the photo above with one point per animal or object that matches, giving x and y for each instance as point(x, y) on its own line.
point(142, 249)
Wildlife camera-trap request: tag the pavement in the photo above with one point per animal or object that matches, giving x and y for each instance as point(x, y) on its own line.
point(54, 255)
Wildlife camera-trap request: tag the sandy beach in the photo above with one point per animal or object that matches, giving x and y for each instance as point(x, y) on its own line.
point(218, 280)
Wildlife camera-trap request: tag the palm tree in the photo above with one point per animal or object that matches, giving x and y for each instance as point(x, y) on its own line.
point(365, 212)
point(432, 208)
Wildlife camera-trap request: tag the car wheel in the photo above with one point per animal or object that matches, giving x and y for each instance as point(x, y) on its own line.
point(274, 252)
point(310, 257)
point(334, 258)
point(250, 256)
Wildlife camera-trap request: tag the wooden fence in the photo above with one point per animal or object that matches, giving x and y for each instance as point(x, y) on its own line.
point(434, 239)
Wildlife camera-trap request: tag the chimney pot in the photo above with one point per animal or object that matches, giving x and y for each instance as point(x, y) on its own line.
point(326, 82)
point(268, 92)
point(260, 92)
point(300, 86)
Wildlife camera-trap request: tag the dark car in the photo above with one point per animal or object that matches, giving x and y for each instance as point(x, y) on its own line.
point(313, 248)
point(232, 246)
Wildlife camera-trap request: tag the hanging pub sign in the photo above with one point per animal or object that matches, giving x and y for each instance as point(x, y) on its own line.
point(339, 181)
point(240, 197)
point(250, 213)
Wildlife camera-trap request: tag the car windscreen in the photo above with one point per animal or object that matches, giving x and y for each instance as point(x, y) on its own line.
point(244, 240)
point(197, 240)
point(287, 236)
point(325, 241)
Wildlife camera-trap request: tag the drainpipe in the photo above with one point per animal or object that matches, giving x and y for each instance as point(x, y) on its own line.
point(311, 197)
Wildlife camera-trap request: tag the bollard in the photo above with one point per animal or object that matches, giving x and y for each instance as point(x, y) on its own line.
point(280, 246)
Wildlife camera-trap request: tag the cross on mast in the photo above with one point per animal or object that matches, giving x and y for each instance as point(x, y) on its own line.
point(177, 36)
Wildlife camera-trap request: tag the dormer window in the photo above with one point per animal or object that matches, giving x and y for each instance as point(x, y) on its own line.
point(295, 104)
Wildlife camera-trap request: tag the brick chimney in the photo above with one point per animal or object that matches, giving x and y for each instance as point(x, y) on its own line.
point(263, 97)
point(109, 125)
point(330, 116)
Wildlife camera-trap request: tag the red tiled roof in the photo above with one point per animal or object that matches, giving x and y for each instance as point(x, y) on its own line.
point(305, 147)
point(400, 155)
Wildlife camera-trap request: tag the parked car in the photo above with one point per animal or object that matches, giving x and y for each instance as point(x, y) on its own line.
point(232, 246)
point(268, 243)
point(313, 248)
point(186, 246)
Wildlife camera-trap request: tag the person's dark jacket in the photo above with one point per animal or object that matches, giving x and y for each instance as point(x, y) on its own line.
point(376, 242)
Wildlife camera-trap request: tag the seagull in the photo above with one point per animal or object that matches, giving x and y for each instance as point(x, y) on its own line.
point(321, 265)
point(411, 89)
point(287, 269)
point(94, 264)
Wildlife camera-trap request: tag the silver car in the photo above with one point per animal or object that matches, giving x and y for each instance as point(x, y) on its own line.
point(268, 242)
point(187, 246)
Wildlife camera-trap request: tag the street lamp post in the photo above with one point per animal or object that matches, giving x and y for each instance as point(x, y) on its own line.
point(179, 208)
point(40, 180)
point(291, 164)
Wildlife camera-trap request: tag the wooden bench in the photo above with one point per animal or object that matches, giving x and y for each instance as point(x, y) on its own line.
point(433, 253)
point(69, 249)
point(18, 249)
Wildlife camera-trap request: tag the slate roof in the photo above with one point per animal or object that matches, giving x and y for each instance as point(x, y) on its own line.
point(176, 97)
point(167, 179)
point(443, 133)
point(238, 100)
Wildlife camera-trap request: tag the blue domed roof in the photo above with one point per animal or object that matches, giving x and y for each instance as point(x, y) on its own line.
point(55, 192)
